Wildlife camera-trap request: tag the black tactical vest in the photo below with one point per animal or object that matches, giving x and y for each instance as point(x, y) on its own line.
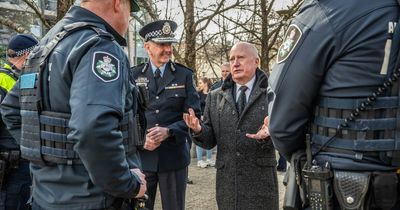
point(365, 128)
point(44, 133)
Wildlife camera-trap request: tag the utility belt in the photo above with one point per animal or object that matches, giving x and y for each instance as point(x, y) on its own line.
point(352, 190)
point(318, 187)
point(128, 204)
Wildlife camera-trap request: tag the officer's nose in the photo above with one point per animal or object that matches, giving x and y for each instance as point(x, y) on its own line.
point(167, 47)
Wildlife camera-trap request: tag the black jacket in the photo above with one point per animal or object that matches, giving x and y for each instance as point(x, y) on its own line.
point(165, 108)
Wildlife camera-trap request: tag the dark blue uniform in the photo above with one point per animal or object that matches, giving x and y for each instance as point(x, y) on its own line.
point(87, 81)
point(165, 108)
point(333, 55)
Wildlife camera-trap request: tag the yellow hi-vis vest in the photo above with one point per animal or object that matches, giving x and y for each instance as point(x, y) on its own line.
point(7, 79)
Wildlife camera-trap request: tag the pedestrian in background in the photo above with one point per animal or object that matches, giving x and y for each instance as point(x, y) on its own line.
point(15, 177)
point(225, 70)
point(235, 119)
point(203, 87)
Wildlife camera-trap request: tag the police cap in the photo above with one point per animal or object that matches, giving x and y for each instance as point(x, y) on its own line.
point(20, 44)
point(160, 31)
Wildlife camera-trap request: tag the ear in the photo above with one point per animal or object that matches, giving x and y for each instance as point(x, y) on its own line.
point(117, 5)
point(258, 61)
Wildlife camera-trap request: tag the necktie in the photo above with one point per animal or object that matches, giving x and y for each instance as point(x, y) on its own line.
point(157, 77)
point(241, 102)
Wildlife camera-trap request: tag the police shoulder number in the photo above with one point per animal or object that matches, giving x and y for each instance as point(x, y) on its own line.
point(292, 37)
point(105, 66)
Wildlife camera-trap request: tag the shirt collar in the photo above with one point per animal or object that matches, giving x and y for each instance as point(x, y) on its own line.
point(249, 84)
point(162, 68)
point(85, 15)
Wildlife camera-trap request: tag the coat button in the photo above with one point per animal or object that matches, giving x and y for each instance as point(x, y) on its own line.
point(176, 95)
point(157, 111)
point(238, 154)
point(157, 97)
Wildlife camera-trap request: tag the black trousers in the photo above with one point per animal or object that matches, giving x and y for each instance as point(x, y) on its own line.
point(172, 188)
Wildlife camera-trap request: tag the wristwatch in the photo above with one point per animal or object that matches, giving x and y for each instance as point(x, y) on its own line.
point(170, 132)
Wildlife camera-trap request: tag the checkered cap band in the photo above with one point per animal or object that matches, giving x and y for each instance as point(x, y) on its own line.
point(157, 34)
point(21, 52)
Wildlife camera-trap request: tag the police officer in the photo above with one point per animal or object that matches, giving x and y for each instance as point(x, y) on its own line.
point(15, 180)
point(331, 67)
point(77, 108)
point(169, 92)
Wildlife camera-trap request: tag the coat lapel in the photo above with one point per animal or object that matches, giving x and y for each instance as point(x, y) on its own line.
point(167, 78)
point(152, 82)
point(256, 93)
point(227, 94)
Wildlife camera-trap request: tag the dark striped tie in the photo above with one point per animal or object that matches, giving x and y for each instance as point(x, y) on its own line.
point(241, 102)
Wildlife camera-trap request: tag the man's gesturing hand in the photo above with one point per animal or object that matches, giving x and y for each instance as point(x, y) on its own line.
point(143, 183)
point(192, 121)
point(263, 133)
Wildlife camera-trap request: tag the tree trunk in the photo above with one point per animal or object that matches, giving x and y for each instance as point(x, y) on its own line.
point(63, 7)
point(264, 36)
point(190, 37)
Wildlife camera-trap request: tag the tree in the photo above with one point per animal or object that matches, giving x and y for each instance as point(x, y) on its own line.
point(211, 28)
point(19, 24)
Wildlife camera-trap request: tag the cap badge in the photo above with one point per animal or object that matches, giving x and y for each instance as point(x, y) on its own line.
point(166, 29)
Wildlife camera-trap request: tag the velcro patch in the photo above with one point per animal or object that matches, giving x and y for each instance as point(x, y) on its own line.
point(105, 66)
point(27, 81)
point(292, 37)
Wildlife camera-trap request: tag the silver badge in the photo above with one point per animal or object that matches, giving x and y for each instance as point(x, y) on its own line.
point(166, 29)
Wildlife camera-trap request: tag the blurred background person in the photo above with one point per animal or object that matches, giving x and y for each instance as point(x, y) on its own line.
point(15, 180)
point(203, 87)
point(224, 74)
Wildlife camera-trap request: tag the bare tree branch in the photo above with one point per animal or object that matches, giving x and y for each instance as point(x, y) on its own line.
point(38, 13)
point(13, 25)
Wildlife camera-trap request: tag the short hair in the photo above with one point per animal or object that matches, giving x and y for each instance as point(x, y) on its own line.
point(252, 49)
point(226, 64)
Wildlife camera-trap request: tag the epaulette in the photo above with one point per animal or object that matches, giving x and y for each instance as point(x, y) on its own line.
point(141, 67)
point(173, 64)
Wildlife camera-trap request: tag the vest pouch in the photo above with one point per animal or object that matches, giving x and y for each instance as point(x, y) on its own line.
point(130, 132)
point(384, 190)
point(351, 188)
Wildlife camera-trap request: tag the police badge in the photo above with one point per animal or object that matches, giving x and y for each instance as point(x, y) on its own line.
point(105, 66)
point(166, 29)
point(292, 37)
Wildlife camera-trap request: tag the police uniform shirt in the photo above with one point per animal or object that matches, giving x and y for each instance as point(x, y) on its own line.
point(249, 86)
point(331, 49)
point(154, 68)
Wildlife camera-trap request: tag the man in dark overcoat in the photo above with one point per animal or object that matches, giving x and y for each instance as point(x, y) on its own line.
point(246, 165)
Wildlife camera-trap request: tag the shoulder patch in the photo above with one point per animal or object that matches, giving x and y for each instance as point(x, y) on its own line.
point(105, 66)
point(292, 37)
